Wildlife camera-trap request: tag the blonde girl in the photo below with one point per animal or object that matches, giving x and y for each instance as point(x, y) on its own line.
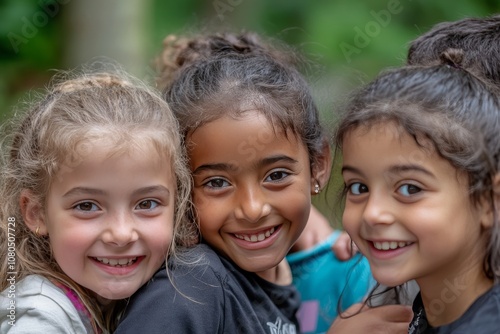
point(93, 188)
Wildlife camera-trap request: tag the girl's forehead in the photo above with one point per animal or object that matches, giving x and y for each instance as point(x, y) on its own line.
point(240, 136)
point(110, 146)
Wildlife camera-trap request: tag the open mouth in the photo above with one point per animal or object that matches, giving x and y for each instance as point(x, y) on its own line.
point(261, 236)
point(116, 262)
point(390, 245)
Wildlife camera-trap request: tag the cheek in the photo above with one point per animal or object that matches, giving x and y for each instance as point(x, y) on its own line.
point(350, 220)
point(210, 213)
point(70, 252)
point(201, 202)
point(297, 209)
point(158, 237)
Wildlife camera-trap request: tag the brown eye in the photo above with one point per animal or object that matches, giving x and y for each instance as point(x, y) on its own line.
point(86, 206)
point(277, 176)
point(217, 183)
point(358, 188)
point(409, 189)
point(147, 205)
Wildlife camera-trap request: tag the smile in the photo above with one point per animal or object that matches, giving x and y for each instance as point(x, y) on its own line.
point(256, 237)
point(386, 245)
point(116, 262)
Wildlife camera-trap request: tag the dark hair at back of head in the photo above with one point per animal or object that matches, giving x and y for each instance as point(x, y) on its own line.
point(478, 38)
point(211, 76)
point(179, 52)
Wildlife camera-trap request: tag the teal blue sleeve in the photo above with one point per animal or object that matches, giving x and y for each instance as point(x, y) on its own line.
point(326, 283)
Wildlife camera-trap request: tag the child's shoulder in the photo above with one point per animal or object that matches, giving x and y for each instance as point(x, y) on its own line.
point(35, 303)
point(483, 314)
point(186, 295)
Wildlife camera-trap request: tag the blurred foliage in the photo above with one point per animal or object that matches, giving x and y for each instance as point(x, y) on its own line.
point(349, 41)
point(31, 44)
point(34, 32)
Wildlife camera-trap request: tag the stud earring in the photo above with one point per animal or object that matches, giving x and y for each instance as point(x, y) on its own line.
point(316, 188)
point(36, 231)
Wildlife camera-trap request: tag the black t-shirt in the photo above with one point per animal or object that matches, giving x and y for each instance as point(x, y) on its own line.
point(482, 317)
point(210, 296)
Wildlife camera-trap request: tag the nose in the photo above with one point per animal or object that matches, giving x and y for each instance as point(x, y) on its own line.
point(378, 210)
point(252, 204)
point(120, 230)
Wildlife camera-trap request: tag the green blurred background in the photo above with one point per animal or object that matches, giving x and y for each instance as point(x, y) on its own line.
point(348, 41)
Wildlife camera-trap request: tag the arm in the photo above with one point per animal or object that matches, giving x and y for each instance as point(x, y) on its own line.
point(389, 319)
point(41, 314)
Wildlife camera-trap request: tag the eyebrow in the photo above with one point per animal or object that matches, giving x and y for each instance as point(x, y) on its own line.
point(216, 166)
point(393, 169)
point(84, 191)
point(276, 158)
point(98, 192)
point(226, 167)
point(151, 189)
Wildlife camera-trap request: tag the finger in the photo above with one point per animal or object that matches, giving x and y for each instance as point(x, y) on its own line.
point(355, 309)
point(342, 247)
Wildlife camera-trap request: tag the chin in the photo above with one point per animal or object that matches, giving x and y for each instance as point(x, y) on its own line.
point(109, 294)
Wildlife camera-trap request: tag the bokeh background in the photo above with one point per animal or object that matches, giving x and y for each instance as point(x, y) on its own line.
point(347, 41)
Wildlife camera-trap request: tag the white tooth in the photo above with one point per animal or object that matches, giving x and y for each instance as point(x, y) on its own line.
point(393, 245)
point(261, 237)
point(268, 234)
point(123, 261)
point(272, 230)
point(247, 238)
point(377, 245)
point(385, 245)
point(113, 262)
point(401, 244)
point(104, 260)
point(253, 238)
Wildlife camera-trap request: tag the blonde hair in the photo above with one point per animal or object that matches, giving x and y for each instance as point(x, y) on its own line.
point(51, 136)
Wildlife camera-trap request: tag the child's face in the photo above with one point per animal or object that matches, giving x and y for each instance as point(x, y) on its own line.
point(110, 219)
point(252, 189)
point(408, 209)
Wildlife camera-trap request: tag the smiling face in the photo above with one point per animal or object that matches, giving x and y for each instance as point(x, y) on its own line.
point(408, 209)
point(110, 219)
point(252, 189)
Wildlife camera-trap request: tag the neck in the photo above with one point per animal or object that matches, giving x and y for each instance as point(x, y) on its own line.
point(447, 298)
point(280, 275)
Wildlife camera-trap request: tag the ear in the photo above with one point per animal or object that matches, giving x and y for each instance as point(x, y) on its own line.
point(322, 168)
point(490, 208)
point(32, 212)
point(496, 198)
